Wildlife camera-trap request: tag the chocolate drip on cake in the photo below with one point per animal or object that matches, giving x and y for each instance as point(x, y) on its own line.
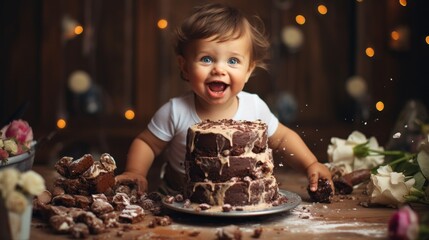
point(229, 162)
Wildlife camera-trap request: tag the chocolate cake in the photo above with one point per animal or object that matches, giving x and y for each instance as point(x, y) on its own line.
point(229, 162)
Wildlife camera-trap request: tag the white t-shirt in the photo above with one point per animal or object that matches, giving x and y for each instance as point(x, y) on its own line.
point(171, 122)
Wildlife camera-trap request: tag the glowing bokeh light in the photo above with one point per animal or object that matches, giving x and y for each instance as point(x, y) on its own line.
point(370, 52)
point(403, 2)
point(162, 23)
point(427, 39)
point(379, 106)
point(61, 123)
point(322, 9)
point(129, 114)
point(395, 35)
point(78, 30)
point(300, 19)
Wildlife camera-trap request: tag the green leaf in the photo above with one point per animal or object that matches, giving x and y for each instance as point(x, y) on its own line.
point(423, 161)
point(420, 180)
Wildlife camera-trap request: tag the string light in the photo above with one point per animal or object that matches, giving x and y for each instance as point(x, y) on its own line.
point(300, 19)
point(162, 23)
point(78, 30)
point(403, 3)
point(61, 123)
point(379, 106)
point(129, 114)
point(395, 35)
point(370, 52)
point(322, 9)
point(427, 39)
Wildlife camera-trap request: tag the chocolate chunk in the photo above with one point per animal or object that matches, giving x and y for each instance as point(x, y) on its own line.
point(61, 223)
point(323, 194)
point(66, 200)
point(110, 219)
point(62, 165)
point(95, 224)
point(58, 191)
point(163, 221)
point(120, 201)
point(132, 214)
point(231, 232)
point(204, 206)
point(169, 199)
point(82, 201)
point(79, 166)
point(257, 232)
point(45, 197)
point(100, 207)
point(79, 230)
point(226, 208)
point(178, 198)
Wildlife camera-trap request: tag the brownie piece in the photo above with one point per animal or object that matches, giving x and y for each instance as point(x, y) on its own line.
point(102, 183)
point(79, 230)
point(110, 219)
point(66, 200)
point(107, 162)
point(95, 224)
point(324, 192)
point(61, 223)
point(100, 207)
point(62, 166)
point(79, 166)
point(132, 214)
point(82, 201)
point(120, 201)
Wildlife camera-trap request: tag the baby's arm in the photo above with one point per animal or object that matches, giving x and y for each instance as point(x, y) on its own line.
point(143, 150)
point(290, 147)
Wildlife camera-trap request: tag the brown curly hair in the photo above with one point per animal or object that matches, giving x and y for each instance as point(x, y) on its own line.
point(223, 23)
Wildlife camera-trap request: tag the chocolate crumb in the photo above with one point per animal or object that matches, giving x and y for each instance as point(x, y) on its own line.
point(204, 206)
point(257, 232)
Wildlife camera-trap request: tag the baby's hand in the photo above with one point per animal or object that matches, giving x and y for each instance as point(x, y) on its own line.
point(127, 178)
point(318, 170)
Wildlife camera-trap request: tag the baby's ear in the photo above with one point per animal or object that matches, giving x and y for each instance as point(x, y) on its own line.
point(252, 66)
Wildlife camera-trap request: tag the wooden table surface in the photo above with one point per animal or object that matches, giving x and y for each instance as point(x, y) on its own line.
point(344, 218)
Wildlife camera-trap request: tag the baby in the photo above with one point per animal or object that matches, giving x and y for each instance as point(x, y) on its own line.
point(217, 51)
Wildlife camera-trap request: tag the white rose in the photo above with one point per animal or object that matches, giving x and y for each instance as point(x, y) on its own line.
point(388, 187)
point(340, 152)
point(8, 180)
point(32, 183)
point(16, 202)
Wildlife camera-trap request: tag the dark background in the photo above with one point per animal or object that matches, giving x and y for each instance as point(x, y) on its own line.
point(131, 64)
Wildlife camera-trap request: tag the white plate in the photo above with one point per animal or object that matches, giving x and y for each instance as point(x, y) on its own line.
point(293, 200)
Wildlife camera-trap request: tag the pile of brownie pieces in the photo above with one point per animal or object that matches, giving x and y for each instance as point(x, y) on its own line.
point(80, 204)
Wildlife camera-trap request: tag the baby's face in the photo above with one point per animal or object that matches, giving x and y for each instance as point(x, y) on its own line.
point(217, 71)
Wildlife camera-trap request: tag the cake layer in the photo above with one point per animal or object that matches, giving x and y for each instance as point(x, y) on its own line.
point(226, 138)
point(234, 192)
point(221, 169)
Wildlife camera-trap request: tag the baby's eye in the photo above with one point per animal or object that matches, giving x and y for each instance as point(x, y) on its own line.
point(233, 61)
point(206, 59)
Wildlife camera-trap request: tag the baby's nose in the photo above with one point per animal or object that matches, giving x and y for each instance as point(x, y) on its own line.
point(218, 70)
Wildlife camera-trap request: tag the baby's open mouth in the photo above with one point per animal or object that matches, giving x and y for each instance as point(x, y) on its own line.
point(217, 86)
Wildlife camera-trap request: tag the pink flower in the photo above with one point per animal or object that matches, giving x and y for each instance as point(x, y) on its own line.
point(404, 225)
point(20, 130)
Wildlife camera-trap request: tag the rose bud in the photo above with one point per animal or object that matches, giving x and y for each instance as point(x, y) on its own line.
point(20, 130)
point(404, 225)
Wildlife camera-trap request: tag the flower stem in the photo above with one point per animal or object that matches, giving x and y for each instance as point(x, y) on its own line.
point(387, 153)
point(404, 158)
